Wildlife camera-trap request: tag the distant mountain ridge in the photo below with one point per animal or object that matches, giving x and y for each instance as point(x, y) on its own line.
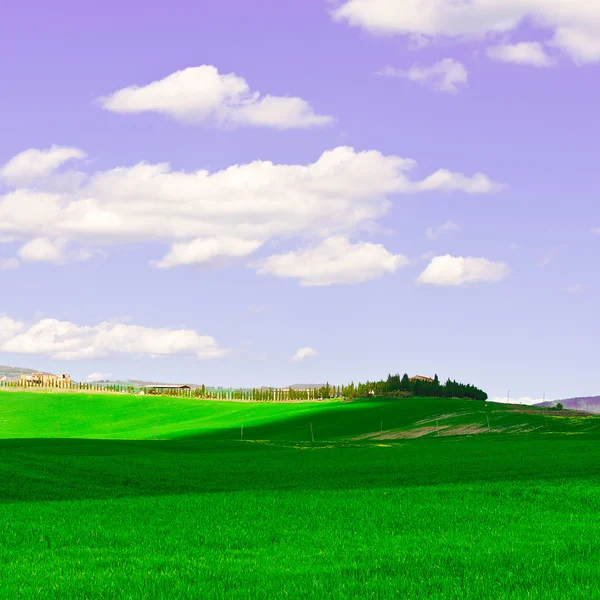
point(14, 373)
point(586, 403)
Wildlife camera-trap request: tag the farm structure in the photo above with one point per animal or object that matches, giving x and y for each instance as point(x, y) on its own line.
point(421, 378)
point(46, 380)
point(164, 388)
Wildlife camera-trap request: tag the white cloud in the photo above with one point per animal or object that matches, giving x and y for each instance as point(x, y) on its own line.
point(574, 24)
point(524, 400)
point(444, 76)
point(9, 264)
point(444, 180)
point(204, 216)
point(203, 95)
point(523, 53)
point(334, 261)
point(93, 377)
point(453, 270)
point(435, 233)
point(42, 250)
point(34, 164)
point(574, 289)
point(582, 46)
point(202, 251)
point(304, 353)
point(63, 340)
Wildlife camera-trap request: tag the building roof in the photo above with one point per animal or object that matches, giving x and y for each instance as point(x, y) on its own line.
point(421, 378)
point(163, 386)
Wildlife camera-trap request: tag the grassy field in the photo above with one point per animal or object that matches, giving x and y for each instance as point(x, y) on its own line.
point(123, 416)
point(506, 512)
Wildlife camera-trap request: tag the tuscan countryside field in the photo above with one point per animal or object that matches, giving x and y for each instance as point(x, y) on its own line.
point(204, 206)
point(404, 497)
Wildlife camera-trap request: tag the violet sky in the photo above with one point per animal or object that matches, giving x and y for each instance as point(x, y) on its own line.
point(264, 193)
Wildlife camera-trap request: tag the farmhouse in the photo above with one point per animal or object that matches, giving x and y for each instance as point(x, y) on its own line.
point(46, 380)
point(421, 378)
point(159, 388)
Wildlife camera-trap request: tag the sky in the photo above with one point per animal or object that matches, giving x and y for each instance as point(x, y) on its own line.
point(266, 193)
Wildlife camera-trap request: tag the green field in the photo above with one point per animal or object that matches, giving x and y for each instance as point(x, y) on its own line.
point(411, 498)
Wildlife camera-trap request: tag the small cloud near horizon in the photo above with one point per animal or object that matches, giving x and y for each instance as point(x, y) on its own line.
point(304, 353)
point(523, 400)
point(93, 377)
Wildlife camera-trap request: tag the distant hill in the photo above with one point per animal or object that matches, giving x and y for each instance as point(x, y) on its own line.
point(14, 373)
point(136, 417)
point(586, 403)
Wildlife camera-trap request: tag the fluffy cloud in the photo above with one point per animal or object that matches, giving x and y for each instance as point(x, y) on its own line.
point(454, 270)
point(203, 95)
point(582, 46)
point(435, 233)
point(575, 24)
point(334, 261)
point(444, 76)
point(42, 250)
point(63, 340)
point(206, 250)
point(523, 53)
point(204, 216)
point(304, 353)
point(34, 164)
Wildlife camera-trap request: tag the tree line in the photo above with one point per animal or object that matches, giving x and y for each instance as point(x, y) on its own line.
point(393, 386)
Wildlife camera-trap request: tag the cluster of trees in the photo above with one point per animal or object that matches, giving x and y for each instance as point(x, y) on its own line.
point(395, 385)
point(256, 394)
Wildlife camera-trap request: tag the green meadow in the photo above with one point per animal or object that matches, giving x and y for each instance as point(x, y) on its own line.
point(408, 498)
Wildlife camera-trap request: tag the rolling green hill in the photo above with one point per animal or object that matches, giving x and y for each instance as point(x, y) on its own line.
point(122, 416)
point(411, 498)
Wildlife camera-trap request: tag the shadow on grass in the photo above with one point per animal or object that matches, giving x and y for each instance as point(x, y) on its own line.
point(43, 470)
point(345, 421)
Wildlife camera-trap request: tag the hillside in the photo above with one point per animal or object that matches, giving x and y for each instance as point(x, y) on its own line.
point(122, 416)
point(447, 517)
point(586, 403)
point(14, 373)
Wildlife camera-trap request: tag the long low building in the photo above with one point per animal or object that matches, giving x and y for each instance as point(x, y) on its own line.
point(163, 387)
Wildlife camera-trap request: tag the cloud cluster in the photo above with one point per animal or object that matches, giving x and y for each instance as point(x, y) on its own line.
point(205, 217)
point(457, 270)
point(444, 76)
point(63, 340)
point(574, 24)
point(202, 95)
